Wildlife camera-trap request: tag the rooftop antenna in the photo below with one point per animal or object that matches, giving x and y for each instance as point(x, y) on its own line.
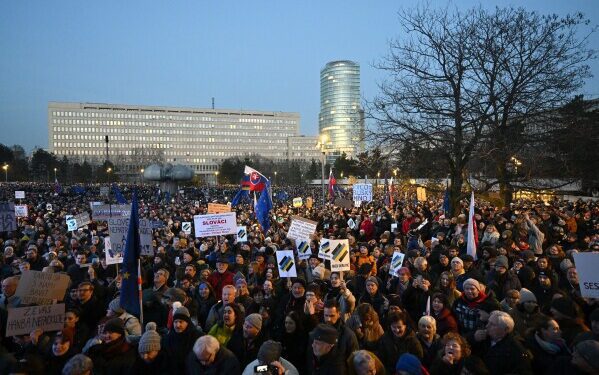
point(213, 102)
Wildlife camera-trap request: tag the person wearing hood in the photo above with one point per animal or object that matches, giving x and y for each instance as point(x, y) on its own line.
point(398, 339)
point(472, 309)
point(501, 279)
point(179, 340)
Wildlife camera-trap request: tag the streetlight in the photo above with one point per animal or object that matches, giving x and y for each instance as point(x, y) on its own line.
point(5, 167)
point(517, 163)
point(275, 177)
point(142, 176)
point(341, 175)
point(216, 176)
point(395, 173)
point(55, 169)
point(322, 144)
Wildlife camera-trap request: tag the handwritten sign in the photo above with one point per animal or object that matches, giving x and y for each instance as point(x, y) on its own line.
point(118, 228)
point(216, 208)
point(36, 287)
point(8, 221)
point(362, 192)
point(82, 219)
point(23, 320)
point(286, 263)
point(301, 228)
point(215, 224)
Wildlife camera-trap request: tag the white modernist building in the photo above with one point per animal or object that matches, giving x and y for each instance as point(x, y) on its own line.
point(134, 136)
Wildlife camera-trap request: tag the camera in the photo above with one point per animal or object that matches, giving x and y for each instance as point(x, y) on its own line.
point(266, 370)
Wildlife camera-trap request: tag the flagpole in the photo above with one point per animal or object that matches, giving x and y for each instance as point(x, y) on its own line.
point(141, 310)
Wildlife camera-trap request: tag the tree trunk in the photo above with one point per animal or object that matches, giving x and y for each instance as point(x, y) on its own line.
point(455, 192)
point(505, 188)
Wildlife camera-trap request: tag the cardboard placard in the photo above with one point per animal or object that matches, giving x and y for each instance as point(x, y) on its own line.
point(362, 192)
point(21, 210)
point(242, 234)
point(301, 228)
point(309, 202)
point(186, 227)
point(110, 259)
point(71, 222)
point(303, 249)
point(297, 202)
point(106, 211)
point(8, 220)
point(216, 208)
point(393, 227)
point(19, 194)
point(351, 223)
point(24, 320)
point(587, 265)
point(215, 224)
point(345, 203)
point(421, 193)
point(396, 262)
point(286, 263)
point(36, 287)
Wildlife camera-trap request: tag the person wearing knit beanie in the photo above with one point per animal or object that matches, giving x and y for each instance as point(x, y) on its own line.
point(527, 296)
point(149, 343)
point(474, 283)
point(182, 313)
point(408, 364)
point(114, 325)
point(114, 308)
point(254, 320)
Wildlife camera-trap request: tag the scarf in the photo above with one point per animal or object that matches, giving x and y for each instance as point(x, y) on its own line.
point(550, 347)
point(475, 302)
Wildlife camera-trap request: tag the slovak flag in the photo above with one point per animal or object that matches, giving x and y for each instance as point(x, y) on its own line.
point(472, 230)
point(332, 184)
point(257, 180)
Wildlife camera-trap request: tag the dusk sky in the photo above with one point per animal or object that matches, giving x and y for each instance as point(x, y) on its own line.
point(259, 55)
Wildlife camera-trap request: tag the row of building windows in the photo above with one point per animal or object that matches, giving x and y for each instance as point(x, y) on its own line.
point(168, 125)
point(230, 117)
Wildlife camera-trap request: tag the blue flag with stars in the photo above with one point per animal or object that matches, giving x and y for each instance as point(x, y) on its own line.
point(130, 287)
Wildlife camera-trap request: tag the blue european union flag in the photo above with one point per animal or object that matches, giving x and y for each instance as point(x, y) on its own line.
point(263, 208)
point(240, 197)
point(118, 195)
point(130, 287)
point(446, 204)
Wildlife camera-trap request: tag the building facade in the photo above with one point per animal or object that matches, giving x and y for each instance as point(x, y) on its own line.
point(197, 137)
point(303, 148)
point(341, 119)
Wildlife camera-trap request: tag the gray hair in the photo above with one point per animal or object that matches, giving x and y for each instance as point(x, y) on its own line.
point(503, 319)
point(361, 357)
point(206, 343)
point(428, 319)
point(78, 365)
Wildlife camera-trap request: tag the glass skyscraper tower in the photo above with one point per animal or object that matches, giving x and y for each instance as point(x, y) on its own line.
point(341, 120)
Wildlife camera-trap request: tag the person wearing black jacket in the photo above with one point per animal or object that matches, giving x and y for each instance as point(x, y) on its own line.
point(324, 356)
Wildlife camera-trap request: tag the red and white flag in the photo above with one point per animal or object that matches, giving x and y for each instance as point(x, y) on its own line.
point(472, 230)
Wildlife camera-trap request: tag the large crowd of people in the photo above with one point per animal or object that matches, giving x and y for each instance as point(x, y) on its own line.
point(218, 306)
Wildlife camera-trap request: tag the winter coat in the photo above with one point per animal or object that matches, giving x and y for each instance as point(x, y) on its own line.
point(331, 363)
point(390, 348)
point(446, 322)
point(225, 362)
point(467, 311)
point(500, 284)
point(114, 358)
point(507, 356)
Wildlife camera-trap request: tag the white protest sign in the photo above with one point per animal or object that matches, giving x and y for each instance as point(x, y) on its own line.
point(8, 221)
point(215, 224)
point(357, 203)
point(106, 211)
point(24, 320)
point(301, 228)
point(71, 223)
point(286, 263)
point(587, 265)
point(21, 210)
point(118, 228)
point(186, 227)
point(48, 207)
point(19, 194)
point(111, 256)
point(303, 249)
point(340, 255)
point(42, 287)
point(393, 227)
point(362, 192)
point(82, 219)
point(396, 262)
point(96, 203)
point(242, 234)
point(351, 223)
point(297, 202)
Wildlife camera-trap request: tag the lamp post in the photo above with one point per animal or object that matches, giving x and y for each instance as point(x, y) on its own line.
point(142, 176)
point(322, 144)
point(55, 169)
point(275, 178)
point(108, 173)
point(216, 177)
point(5, 167)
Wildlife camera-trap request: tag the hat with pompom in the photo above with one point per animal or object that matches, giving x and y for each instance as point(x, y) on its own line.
point(150, 340)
